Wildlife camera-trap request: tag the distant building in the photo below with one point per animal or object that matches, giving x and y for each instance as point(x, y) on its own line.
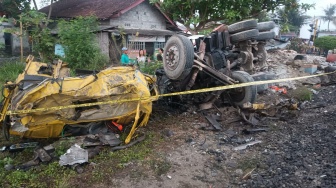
point(144, 24)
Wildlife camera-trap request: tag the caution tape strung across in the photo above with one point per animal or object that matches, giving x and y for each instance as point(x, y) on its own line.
point(152, 98)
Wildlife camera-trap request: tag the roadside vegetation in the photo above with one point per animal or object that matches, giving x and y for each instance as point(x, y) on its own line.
point(326, 42)
point(9, 72)
point(100, 170)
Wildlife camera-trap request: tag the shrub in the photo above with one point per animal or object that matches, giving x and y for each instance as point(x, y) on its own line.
point(326, 42)
point(80, 45)
point(151, 67)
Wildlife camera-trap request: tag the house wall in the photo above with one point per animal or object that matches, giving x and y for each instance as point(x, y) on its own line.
point(16, 45)
point(2, 38)
point(103, 41)
point(143, 16)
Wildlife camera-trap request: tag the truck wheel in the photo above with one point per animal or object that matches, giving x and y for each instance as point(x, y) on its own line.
point(242, 26)
point(242, 95)
point(245, 35)
point(178, 57)
point(266, 26)
point(267, 35)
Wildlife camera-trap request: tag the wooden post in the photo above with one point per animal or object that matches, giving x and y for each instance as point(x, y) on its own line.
point(21, 40)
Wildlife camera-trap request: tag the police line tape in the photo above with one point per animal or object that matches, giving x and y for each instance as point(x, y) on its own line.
point(153, 98)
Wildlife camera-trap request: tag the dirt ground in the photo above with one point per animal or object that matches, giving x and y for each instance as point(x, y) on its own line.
point(297, 145)
point(298, 150)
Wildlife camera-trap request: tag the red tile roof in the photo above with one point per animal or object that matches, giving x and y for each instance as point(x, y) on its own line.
point(103, 9)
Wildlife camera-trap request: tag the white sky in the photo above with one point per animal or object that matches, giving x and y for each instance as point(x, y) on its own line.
point(317, 12)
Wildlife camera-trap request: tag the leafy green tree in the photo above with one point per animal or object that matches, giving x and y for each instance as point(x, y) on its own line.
point(199, 15)
point(292, 19)
point(42, 39)
point(80, 44)
point(326, 42)
point(329, 14)
point(12, 8)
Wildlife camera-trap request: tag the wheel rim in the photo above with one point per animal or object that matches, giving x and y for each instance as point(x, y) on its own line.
point(172, 57)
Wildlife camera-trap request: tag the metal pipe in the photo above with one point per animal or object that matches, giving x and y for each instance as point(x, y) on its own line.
point(216, 74)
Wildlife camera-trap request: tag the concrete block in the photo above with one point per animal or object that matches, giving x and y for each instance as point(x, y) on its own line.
point(309, 68)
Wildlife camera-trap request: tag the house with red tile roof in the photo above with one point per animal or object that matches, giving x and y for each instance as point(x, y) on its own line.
point(144, 25)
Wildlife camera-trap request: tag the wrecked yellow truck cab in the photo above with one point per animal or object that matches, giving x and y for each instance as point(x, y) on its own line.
point(44, 99)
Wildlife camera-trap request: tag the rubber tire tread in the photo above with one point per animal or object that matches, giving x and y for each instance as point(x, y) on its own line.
point(242, 26)
point(245, 35)
point(186, 57)
point(190, 54)
point(267, 35)
point(250, 91)
point(265, 26)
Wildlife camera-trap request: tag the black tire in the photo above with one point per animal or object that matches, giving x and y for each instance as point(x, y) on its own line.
point(242, 26)
point(265, 26)
point(245, 35)
point(242, 95)
point(267, 35)
point(178, 57)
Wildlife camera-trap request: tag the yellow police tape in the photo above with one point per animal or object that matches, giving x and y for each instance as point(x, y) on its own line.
point(165, 95)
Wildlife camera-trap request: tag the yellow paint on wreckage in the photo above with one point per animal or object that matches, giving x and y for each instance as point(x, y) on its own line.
point(111, 84)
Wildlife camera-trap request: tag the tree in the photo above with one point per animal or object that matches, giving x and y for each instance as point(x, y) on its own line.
point(12, 8)
point(199, 15)
point(329, 14)
point(43, 42)
point(80, 43)
point(326, 42)
point(292, 20)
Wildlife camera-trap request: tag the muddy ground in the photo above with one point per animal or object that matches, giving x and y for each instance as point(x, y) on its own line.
point(297, 147)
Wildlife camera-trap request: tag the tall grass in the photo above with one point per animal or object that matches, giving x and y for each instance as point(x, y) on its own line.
point(9, 72)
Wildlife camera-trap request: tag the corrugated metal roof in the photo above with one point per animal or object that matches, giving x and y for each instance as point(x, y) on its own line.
point(103, 9)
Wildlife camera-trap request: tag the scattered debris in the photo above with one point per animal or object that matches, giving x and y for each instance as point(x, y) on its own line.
point(214, 122)
point(110, 139)
point(250, 131)
point(22, 146)
point(9, 167)
point(279, 89)
point(248, 174)
point(74, 155)
point(167, 132)
point(259, 106)
point(137, 140)
point(244, 146)
point(43, 155)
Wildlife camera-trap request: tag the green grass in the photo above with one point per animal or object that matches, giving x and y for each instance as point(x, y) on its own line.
point(9, 72)
point(302, 93)
point(106, 165)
